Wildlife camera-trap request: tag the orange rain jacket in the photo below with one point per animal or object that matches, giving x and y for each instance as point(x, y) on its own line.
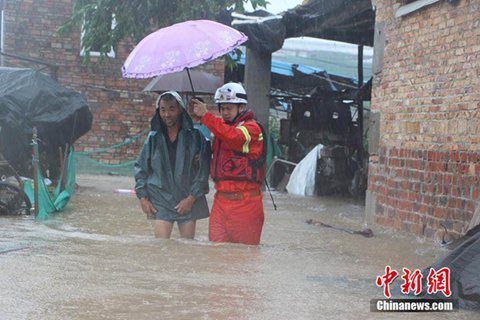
point(244, 136)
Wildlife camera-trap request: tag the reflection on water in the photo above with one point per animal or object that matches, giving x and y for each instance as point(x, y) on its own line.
point(99, 260)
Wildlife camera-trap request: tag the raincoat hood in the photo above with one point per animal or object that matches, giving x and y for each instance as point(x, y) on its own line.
point(173, 94)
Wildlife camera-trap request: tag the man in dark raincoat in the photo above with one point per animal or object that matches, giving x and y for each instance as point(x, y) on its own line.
point(171, 172)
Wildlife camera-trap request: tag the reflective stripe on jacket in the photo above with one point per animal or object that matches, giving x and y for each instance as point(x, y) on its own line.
point(238, 161)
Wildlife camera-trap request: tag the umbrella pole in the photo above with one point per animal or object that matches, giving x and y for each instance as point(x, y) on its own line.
point(190, 79)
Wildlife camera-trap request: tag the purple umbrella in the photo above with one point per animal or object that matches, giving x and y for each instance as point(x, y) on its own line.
point(182, 45)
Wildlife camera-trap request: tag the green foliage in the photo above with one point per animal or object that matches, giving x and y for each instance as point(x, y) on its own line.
point(231, 63)
point(274, 126)
point(137, 18)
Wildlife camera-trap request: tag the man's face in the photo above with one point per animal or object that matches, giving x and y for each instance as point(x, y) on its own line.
point(230, 110)
point(170, 112)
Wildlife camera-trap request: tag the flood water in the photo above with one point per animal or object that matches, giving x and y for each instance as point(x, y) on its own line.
point(99, 260)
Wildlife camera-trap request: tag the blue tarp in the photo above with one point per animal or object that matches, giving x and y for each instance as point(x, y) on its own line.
point(318, 76)
point(285, 68)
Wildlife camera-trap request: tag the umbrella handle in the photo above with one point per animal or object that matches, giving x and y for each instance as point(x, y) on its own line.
point(190, 79)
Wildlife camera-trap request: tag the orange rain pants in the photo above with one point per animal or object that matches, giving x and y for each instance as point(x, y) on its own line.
point(237, 220)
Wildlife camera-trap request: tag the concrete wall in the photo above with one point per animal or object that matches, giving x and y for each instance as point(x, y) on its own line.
point(425, 172)
point(119, 107)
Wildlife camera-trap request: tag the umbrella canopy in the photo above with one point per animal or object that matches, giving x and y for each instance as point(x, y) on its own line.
point(179, 81)
point(182, 45)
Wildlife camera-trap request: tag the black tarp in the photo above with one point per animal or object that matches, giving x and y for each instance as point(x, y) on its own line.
point(267, 36)
point(28, 99)
point(464, 264)
point(349, 21)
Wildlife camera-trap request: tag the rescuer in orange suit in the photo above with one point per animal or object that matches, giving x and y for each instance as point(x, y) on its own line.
point(238, 167)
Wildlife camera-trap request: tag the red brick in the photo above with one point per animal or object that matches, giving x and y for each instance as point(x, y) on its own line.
point(440, 213)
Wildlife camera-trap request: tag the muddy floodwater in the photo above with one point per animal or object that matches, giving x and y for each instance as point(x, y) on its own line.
point(99, 260)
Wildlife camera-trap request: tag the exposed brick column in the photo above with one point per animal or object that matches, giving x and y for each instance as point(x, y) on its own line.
point(426, 171)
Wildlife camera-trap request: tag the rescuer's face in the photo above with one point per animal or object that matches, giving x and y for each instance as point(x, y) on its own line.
point(230, 110)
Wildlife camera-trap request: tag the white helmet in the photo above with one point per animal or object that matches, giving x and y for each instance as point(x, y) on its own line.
point(231, 93)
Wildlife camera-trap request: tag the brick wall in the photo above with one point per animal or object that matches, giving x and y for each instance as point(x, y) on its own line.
point(119, 108)
point(427, 168)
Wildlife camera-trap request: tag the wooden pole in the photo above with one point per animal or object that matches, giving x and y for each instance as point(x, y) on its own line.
point(64, 168)
point(360, 102)
point(35, 161)
point(258, 71)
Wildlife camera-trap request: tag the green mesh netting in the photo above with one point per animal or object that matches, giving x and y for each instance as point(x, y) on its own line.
point(53, 198)
point(273, 151)
point(90, 162)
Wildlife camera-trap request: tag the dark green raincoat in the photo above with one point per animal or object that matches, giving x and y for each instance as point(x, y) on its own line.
point(164, 188)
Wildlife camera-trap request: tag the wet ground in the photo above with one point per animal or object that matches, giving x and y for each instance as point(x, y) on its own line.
point(99, 260)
